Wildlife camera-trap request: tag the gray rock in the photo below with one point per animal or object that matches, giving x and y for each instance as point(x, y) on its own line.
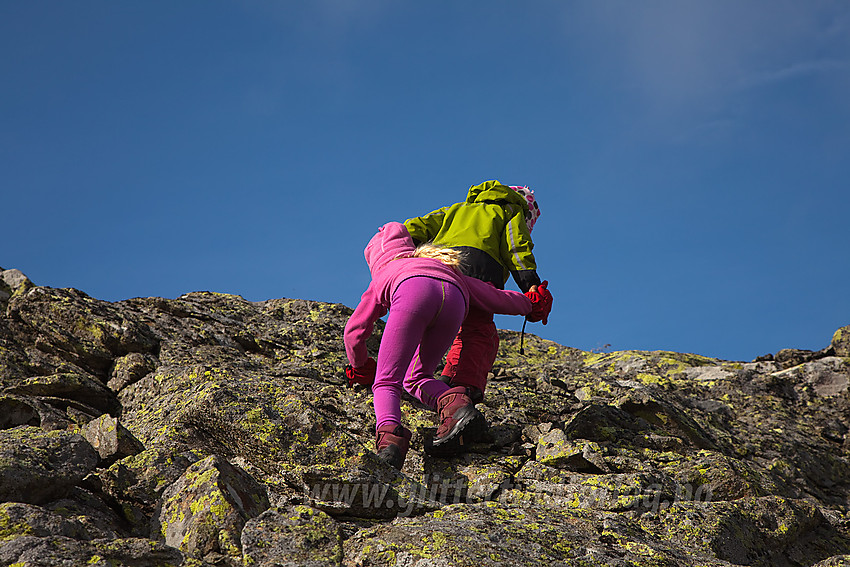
point(79, 387)
point(136, 483)
point(835, 561)
point(15, 411)
point(204, 511)
point(91, 510)
point(129, 369)
point(12, 282)
point(764, 531)
point(111, 439)
point(38, 466)
point(555, 450)
point(13, 278)
point(841, 341)
point(58, 551)
point(17, 519)
point(298, 536)
point(789, 357)
point(656, 457)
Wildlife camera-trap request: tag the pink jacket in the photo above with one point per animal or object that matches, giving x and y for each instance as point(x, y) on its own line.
point(382, 254)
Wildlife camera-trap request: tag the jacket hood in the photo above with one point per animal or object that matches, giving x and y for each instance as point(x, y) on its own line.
point(495, 191)
point(392, 241)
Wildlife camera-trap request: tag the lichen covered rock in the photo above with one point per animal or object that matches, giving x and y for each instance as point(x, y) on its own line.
point(251, 450)
point(38, 466)
point(298, 535)
point(204, 511)
point(111, 439)
point(62, 551)
point(841, 342)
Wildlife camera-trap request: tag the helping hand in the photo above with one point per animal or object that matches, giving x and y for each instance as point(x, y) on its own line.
point(541, 303)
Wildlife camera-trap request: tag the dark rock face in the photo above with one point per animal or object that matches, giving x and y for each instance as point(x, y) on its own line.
point(38, 466)
point(212, 431)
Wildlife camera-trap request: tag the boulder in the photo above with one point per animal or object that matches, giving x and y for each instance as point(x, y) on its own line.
point(15, 411)
point(136, 483)
point(13, 282)
point(298, 536)
point(130, 368)
point(841, 342)
point(204, 511)
point(91, 509)
point(111, 439)
point(37, 466)
point(18, 519)
point(555, 450)
point(491, 533)
point(751, 531)
point(58, 550)
point(79, 387)
point(789, 357)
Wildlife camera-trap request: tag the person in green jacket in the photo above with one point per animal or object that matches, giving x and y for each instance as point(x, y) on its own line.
point(492, 227)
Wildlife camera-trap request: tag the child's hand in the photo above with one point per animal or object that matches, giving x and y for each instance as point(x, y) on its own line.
point(364, 375)
point(541, 303)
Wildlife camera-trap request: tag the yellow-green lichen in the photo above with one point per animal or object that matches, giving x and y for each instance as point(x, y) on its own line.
point(10, 529)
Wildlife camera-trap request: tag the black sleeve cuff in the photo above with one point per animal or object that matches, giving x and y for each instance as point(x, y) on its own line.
point(525, 279)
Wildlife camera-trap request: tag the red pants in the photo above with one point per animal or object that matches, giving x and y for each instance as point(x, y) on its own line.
point(473, 351)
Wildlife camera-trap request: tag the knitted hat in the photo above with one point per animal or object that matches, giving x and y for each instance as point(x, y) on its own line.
point(533, 209)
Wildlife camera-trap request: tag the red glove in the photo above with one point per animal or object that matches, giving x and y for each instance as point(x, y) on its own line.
point(364, 375)
point(541, 303)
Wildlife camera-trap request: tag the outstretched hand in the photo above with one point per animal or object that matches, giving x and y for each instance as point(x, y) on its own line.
point(541, 303)
point(364, 375)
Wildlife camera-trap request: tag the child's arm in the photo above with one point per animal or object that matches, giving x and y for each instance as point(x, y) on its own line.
point(486, 296)
point(424, 229)
point(359, 327)
point(517, 253)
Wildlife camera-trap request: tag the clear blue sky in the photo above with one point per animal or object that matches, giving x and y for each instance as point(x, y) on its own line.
point(691, 159)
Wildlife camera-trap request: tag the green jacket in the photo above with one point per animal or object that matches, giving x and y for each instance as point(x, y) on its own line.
point(490, 228)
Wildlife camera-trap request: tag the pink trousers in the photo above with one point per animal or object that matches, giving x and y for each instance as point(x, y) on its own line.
point(424, 318)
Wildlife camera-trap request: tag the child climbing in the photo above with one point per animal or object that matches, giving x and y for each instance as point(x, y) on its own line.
point(427, 298)
point(493, 230)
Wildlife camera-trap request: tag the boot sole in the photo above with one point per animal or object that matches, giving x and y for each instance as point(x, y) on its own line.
point(393, 456)
point(470, 427)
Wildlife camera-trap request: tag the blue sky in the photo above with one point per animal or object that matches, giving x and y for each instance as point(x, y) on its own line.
point(691, 159)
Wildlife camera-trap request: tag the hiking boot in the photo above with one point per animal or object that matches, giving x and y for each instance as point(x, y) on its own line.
point(476, 395)
point(391, 444)
point(460, 423)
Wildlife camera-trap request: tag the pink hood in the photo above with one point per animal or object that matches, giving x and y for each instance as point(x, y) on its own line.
point(392, 241)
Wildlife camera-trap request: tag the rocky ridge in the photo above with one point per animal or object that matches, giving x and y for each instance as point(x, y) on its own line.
point(210, 430)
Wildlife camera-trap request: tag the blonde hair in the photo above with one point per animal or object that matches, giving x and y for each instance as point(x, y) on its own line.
point(448, 256)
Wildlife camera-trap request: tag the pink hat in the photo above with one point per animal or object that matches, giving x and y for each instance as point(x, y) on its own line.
point(533, 209)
